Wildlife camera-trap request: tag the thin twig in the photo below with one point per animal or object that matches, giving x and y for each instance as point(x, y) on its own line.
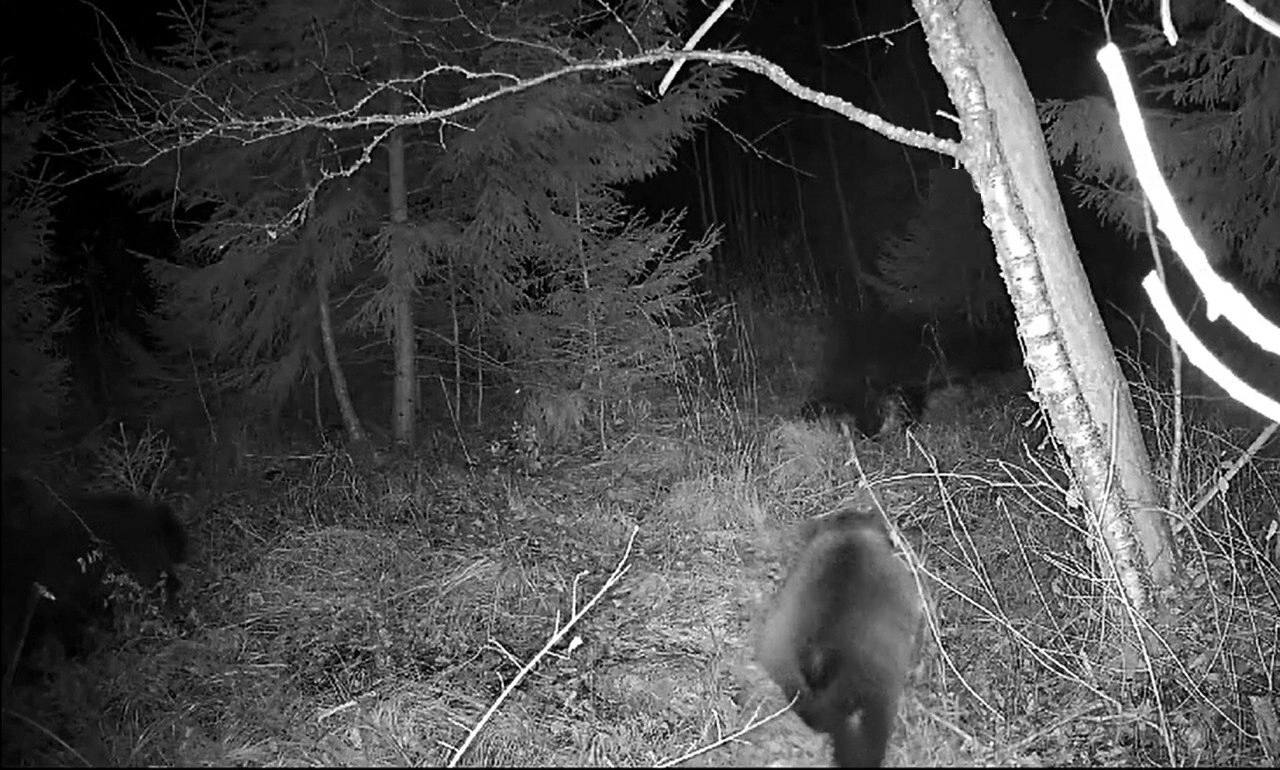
point(752, 724)
point(1224, 481)
point(618, 571)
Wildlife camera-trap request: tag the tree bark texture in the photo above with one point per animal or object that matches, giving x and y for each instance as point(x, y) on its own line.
point(402, 279)
point(341, 393)
point(1072, 362)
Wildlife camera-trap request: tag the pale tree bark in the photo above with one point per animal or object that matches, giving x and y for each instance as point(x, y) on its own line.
point(1072, 362)
point(341, 393)
point(350, 419)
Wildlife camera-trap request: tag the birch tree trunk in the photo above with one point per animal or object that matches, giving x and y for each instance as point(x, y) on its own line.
point(1072, 362)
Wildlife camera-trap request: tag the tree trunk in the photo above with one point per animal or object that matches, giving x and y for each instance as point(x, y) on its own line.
point(1071, 360)
point(350, 420)
point(401, 278)
point(341, 393)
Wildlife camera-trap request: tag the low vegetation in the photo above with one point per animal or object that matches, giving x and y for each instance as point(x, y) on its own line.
point(403, 612)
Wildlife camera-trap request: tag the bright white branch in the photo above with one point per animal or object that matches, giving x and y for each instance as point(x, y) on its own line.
point(692, 43)
point(1166, 23)
point(1221, 297)
point(1268, 25)
point(1199, 355)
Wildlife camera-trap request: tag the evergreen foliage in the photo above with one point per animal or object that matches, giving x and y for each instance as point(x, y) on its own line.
point(34, 384)
point(943, 266)
point(1212, 108)
point(522, 254)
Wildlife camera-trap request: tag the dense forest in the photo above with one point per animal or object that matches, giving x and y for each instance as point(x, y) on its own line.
point(448, 381)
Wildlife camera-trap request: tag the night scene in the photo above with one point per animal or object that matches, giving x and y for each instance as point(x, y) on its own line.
point(641, 383)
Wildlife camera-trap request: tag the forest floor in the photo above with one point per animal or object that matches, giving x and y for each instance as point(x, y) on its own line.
point(597, 604)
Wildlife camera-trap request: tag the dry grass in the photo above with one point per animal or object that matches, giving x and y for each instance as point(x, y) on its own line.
point(355, 618)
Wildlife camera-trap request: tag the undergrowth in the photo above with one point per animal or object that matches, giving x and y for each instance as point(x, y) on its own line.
point(349, 615)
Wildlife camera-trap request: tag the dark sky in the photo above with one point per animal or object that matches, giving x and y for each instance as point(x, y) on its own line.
point(52, 43)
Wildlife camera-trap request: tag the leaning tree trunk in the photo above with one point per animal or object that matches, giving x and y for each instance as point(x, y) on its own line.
point(341, 393)
point(328, 340)
point(1072, 363)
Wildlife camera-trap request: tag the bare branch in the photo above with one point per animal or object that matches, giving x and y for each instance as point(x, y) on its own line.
point(618, 572)
point(153, 128)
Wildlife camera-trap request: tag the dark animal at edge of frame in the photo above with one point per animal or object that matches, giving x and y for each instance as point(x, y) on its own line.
point(56, 558)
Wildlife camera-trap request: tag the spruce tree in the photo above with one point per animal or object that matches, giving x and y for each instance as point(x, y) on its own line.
point(264, 129)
